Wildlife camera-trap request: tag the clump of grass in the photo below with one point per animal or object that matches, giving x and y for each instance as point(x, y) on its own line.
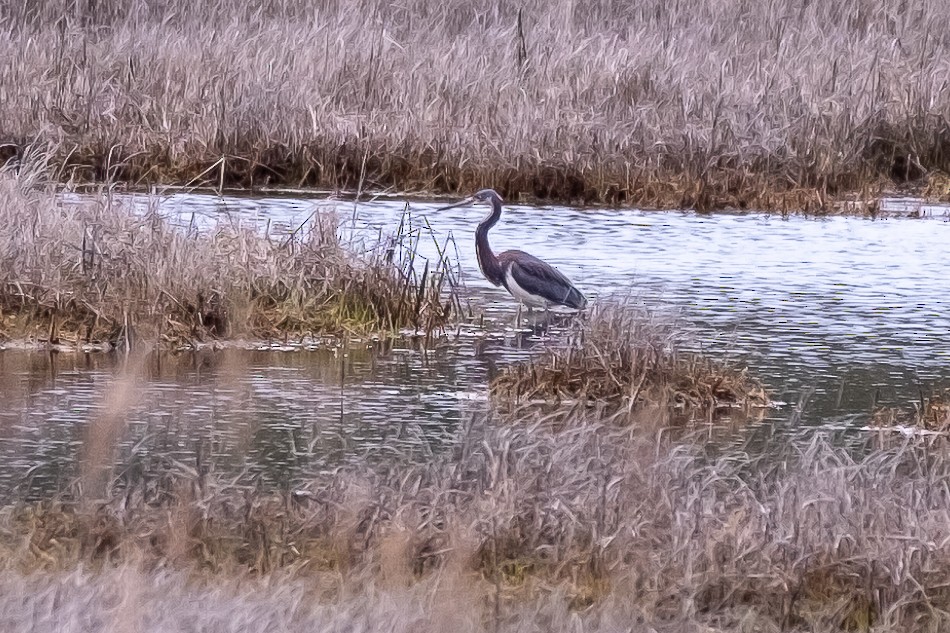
point(96, 270)
point(617, 354)
point(593, 517)
point(702, 104)
point(931, 413)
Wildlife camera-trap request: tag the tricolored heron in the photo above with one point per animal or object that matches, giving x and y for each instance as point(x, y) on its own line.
point(528, 279)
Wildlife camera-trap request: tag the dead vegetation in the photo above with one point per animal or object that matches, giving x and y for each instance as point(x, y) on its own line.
point(619, 355)
point(718, 103)
point(97, 271)
point(593, 521)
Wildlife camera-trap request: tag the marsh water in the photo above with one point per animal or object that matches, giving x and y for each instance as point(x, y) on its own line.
point(835, 315)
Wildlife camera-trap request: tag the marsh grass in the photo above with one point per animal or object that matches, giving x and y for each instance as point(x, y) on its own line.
point(592, 521)
point(657, 103)
point(620, 355)
point(96, 270)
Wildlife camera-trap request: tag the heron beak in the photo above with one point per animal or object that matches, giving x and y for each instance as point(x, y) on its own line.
point(464, 202)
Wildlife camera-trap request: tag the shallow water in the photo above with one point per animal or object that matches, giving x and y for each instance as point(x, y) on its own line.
point(847, 311)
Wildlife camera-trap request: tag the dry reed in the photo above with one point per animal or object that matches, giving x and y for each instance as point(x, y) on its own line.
point(660, 103)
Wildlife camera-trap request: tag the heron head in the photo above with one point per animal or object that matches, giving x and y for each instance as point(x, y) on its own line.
point(482, 197)
point(487, 196)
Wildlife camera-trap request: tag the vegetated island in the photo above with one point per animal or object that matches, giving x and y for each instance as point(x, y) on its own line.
point(94, 271)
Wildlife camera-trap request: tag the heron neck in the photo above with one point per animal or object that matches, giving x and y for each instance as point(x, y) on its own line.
point(487, 260)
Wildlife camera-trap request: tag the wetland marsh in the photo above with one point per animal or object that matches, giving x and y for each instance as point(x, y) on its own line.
point(232, 402)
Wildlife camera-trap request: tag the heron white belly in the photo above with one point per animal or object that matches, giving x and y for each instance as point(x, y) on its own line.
point(522, 295)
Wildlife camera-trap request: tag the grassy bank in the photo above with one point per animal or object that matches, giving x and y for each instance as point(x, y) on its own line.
point(669, 104)
point(97, 271)
point(523, 526)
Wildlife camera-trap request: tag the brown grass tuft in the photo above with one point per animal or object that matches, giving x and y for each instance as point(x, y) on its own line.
point(617, 354)
point(931, 413)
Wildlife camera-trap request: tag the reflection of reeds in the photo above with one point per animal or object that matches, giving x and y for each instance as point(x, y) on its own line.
point(593, 517)
point(706, 104)
point(617, 355)
point(95, 270)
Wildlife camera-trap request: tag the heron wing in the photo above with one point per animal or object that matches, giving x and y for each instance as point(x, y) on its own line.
point(541, 279)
